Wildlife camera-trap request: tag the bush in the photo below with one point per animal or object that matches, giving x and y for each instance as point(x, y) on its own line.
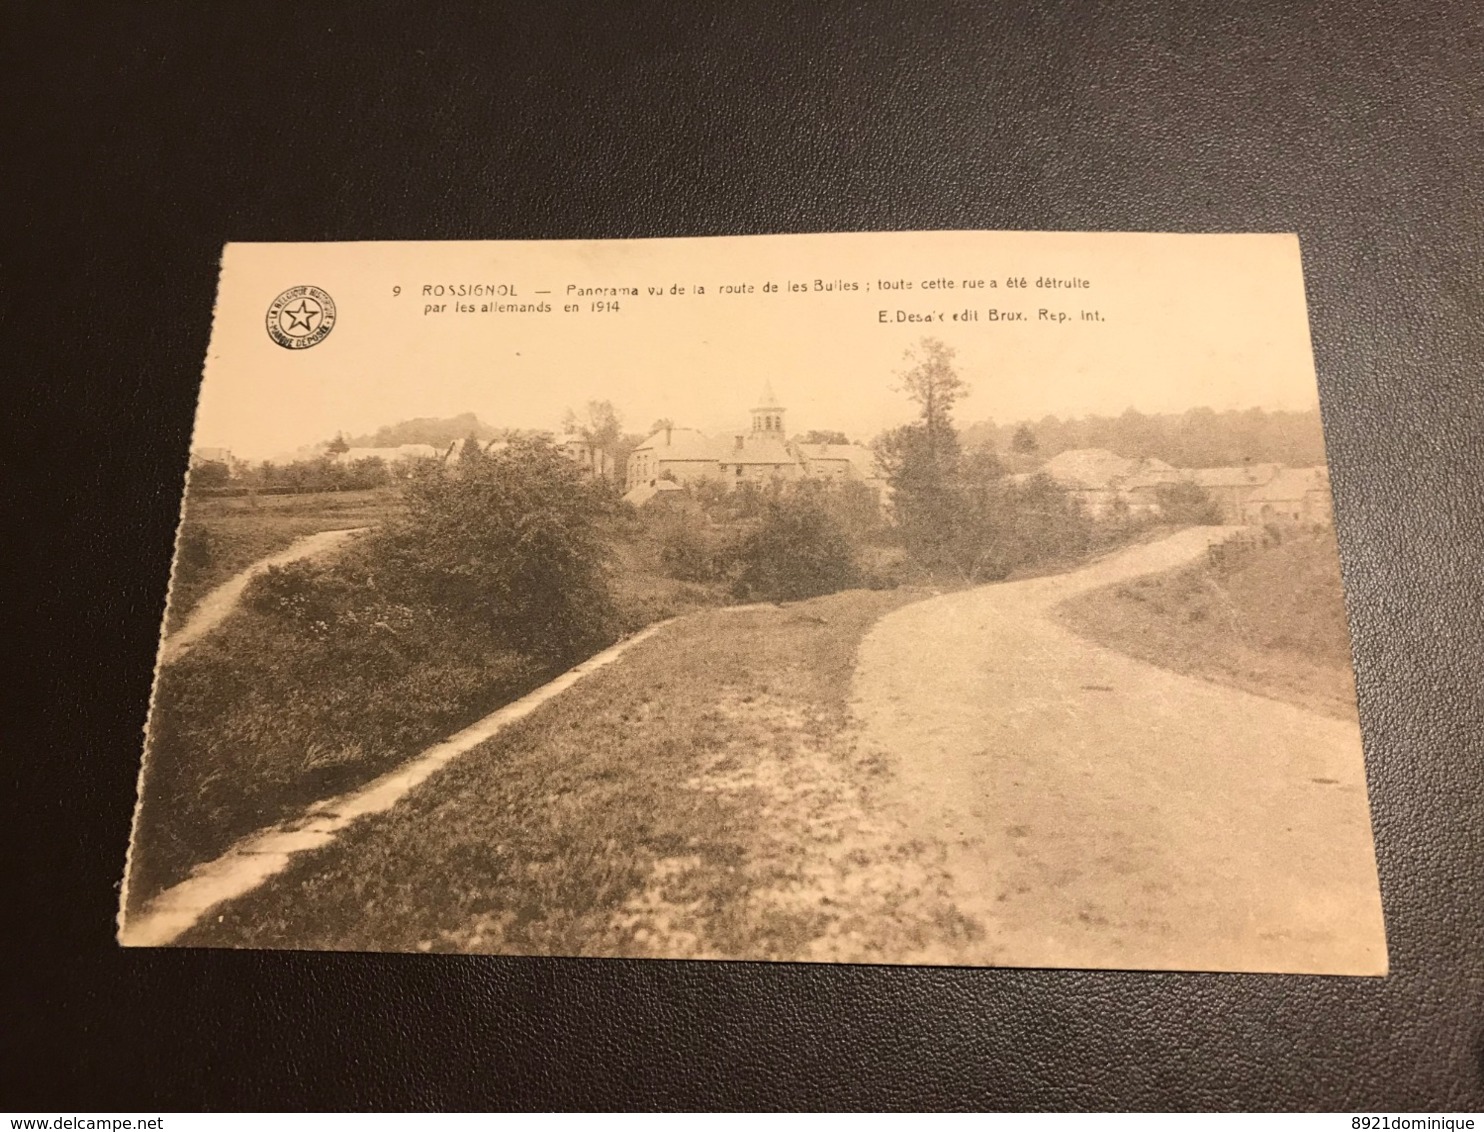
point(1048, 525)
point(197, 550)
point(798, 550)
point(322, 473)
point(206, 474)
point(514, 544)
point(883, 567)
point(983, 525)
point(856, 506)
point(1187, 503)
point(306, 594)
point(689, 550)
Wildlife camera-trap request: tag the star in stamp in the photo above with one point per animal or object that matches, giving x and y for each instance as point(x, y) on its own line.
point(301, 317)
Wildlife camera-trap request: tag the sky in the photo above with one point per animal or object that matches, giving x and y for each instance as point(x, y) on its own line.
point(1181, 321)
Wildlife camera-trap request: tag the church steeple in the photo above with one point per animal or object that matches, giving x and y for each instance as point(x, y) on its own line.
point(767, 417)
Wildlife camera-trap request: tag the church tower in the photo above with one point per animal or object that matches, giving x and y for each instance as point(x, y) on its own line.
point(767, 418)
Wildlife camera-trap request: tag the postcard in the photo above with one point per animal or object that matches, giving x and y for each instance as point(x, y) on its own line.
point(963, 598)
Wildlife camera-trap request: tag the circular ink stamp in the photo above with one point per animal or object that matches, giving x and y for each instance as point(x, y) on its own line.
point(301, 317)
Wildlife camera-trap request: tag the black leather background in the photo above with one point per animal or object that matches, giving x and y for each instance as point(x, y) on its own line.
point(141, 137)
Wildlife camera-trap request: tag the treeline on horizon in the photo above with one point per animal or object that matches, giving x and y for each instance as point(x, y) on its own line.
point(1196, 438)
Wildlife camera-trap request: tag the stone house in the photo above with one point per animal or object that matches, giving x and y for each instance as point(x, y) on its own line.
point(662, 493)
point(1299, 495)
point(1231, 488)
point(211, 455)
point(1106, 484)
point(592, 459)
point(763, 454)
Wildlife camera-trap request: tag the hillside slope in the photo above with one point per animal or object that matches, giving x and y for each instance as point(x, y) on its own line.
point(1266, 616)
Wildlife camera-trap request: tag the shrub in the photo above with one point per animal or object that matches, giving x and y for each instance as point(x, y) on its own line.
point(206, 474)
point(1187, 503)
point(689, 551)
point(303, 593)
point(798, 550)
point(197, 548)
point(367, 473)
point(1048, 524)
point(883, 567)
point(514, 544)
point(987, 525)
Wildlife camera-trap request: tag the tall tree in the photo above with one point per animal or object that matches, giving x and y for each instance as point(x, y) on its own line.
point(957, 511)
point(472, 452)
point(600, 425)
point(935, 385)
point(921, 459)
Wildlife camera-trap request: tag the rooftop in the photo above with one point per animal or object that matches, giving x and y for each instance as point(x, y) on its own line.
point(1088, 467)
point(1245, 475)
point(768, 399)
point(682, 444)
point(1292, 483)
point(400, 452)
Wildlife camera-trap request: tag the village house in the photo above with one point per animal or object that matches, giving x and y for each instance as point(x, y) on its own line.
point(211, 456)
point(1231, 488)
point(1299, 495)
point(1106, 484)
point(763, 454)
point(400, 454)
point(592, 459)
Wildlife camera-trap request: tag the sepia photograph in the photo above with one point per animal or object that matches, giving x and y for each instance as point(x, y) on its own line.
point(951, 598)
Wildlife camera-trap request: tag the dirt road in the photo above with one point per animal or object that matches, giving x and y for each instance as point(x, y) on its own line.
point(1099, 811)
point(214, 607)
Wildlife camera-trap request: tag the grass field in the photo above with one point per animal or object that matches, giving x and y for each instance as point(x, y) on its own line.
point(703, 796)
point(221, 536)
point(246, 730)
point(1269, 619)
